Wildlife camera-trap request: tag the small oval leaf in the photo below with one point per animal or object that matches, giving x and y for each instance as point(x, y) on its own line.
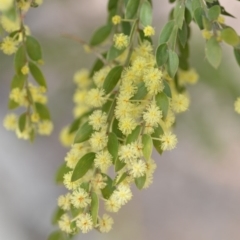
point(146, 14)
point(108, 190)
point(20, 60)
point(100, 35)
point(147, 146)
point(131, 9)
point(162, 54)
point(166, 32)
point(173, 63)
point(163, 103)
point(94, 207)
point(113, 145)
point(140, 181)
point(43, 111)
point(37, 74)
point(112, 79)
point(213, 52)
point(230, 36)
point(134, 135)
point(83, 133)
point(22, 122)
point(83, 165)
point(33, 48)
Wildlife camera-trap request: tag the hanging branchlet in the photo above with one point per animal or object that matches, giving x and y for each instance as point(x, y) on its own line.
point(126, 106)
point(24, 94)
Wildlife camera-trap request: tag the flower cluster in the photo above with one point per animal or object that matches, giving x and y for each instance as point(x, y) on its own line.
point(28, 55)
point(117, 128)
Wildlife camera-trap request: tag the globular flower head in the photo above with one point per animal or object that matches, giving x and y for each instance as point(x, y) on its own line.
point(121, 41)
point(152, 115)
point(64, 201)
point(122, 194)
point(180, 103)
point(148, 31)
point(98, 140)
point(65, 223)
point(10, 122)
point(103, 160)
point(237, 106)
point(80, 198)
point(84, 222)
point(168, 141)
point(116, 19)
point(127, 125)
point(96, 97)
point(138, 168)
point(5, 5)
point(9, 46)
point(105, 223)
point(98, 119)
point(45, 127)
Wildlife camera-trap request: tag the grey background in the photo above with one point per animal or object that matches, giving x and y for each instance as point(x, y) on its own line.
point(196, 189)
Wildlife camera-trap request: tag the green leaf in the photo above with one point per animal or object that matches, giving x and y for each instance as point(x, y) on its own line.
point(134, 135)
point(173, 62)
point(112, 4)
point(157, 144)
point(119, 165)
point(131, 9)
point(33, 48)
point(75, 125)
point(83, 133)
point(167, 89)
point(140, 181)
point(195, 4)
point(57, 235)
point(147, 146)
point(188, 16)
point(57, 215)
point(108, 190)
point(166, 32)
point(37, 74)
point(22, 122)
point(12, 104)
point(94, 208)
point(83, 165)
point(113, 145)
point(214, 12)
point(122, 178)
point(179, 12)
point(237, 55)
point(230, 36)
point(18, 81)
point(198, 16)
point(20, 60)
point(141, 92)
point(112, 79)
point(162, 54)
point(100, 35)
point(213, 52)
point(77, 122)
point(146, 14)
point(43, 111)
point(115, 129)
point(97, 66)
point(183, 34)
point(126, 28)
point(163, 103)
point(113, 53)
point(62, 170)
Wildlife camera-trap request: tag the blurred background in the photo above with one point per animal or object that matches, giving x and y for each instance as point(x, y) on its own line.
point(196, 189)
